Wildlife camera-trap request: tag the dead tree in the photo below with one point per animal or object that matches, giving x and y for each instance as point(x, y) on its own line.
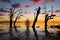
point(33, 26)
point(18, 15)
point(47, 17)
point(12, 13)
point(15, 23)
point(11, 17)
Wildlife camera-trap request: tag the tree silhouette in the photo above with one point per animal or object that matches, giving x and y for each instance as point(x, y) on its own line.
point(33, 26)
point(46, 20)
point(12, 12)
point(17, 17)
point(11, 16)
point(11, 22)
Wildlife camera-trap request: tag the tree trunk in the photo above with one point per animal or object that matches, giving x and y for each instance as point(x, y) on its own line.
point(46, 31)
point(33, 26)
point(15, 23)
point(11, 16)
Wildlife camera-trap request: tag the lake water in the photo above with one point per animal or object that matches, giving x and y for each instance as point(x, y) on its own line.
point(40, 32)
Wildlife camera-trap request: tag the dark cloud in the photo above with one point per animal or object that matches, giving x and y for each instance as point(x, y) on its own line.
point(1, 14)
point(35, 1)
point(47, 1)
point(2, 10)
point(57, 11)
point(16, 5)
point(5, 1)
point(27, 6)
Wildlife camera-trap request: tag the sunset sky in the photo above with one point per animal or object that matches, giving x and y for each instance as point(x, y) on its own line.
point(29, 8)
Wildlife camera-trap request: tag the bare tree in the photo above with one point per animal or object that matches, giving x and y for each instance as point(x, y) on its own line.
point(17, 17)
point(12, 13)
point(33, 26)
point(11, 16)
point(47, 17)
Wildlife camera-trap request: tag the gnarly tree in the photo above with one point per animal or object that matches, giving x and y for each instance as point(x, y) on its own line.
point(46, 20)
point(17, 17)
point(12, 13)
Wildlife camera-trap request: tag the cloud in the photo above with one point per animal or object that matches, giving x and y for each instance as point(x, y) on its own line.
point(35, 1)
point(47, 1)
point(57, 11)
point(16, 5)
point(36, 9)
point(1, 14)
point(2, 10)
point(5, 1)
point(27, 12)
point(27, 6)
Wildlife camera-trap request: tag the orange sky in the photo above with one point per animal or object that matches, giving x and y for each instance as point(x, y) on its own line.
point(40, 21)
